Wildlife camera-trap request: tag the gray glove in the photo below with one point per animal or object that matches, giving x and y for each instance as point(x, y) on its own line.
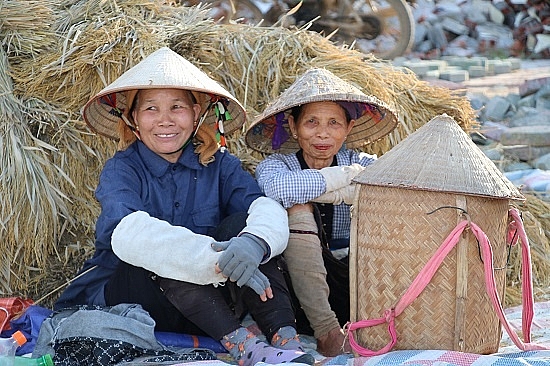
point(337, 177)
point(241, 257)
point(258, 282)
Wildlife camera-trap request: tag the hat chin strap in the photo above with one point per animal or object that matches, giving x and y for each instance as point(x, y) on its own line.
point(132, 128)
point(203, 117)
point(201, 121)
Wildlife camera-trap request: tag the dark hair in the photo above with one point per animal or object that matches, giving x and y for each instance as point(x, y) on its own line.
point(295, 112)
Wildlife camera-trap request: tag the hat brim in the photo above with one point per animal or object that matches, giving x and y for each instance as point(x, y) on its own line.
point(379, 121)
point(267, 135)
point(104, 118)
point(163, 69)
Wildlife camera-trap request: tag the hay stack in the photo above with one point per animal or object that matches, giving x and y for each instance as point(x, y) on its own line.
point(25, 26)
point(77, 47)
point(31, 200)
point(536, 220)
point(258, 63)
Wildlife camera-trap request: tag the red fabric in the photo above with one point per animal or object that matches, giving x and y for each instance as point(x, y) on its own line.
point(12, 307)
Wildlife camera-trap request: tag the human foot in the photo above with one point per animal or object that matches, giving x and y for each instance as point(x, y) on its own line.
point(258, 351)
point(333, 343)
point(248, 350)
point(287, 338)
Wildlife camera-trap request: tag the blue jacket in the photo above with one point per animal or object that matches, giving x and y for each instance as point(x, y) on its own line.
point(186, 194)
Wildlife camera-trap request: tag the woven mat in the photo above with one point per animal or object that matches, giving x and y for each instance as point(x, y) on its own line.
point(509, 354)
point(540, 330)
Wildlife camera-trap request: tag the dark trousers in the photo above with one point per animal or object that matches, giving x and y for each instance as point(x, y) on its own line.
point(184, 307)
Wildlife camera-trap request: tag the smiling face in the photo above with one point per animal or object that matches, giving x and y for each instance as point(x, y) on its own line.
point(321, 129)
point(165, 120)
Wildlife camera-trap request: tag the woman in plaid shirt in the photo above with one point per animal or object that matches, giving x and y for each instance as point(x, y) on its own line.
point(310, 173)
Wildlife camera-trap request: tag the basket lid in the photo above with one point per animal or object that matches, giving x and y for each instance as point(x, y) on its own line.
point(439, 156)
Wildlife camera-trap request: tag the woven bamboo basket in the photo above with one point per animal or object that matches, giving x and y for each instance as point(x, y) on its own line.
point(406, 204)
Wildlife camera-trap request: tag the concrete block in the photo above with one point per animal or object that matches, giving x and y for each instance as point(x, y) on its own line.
point(453, 68)
point(454, 26)
point(490, 65)
point(420, 68)
point(432, 74)
point(436, 35)
point(420, 33)
point(466, 62)
point(513, 98)
point(542, 103)
point(496, 108)
point(502, 67)
point(456, 76)
point(532, 86)
point(528, 101)
point(515, 62)
point(400, 61)
point(424, 46)
point(542, 162)
point(477, 71)
point(525, 152)
point(517, 166)
point(534, 136)
point(478, 60)
point(437, 64)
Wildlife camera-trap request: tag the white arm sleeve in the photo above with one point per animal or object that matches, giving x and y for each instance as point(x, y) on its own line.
point(268, 220)
point(169, 251)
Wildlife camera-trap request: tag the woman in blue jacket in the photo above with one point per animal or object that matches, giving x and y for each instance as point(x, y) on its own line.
point(184, 230)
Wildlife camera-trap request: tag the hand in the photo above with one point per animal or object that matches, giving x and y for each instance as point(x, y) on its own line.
point(241, 257)
point(337, 177)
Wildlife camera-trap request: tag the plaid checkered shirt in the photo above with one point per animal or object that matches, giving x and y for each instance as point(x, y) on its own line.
point(281, 178)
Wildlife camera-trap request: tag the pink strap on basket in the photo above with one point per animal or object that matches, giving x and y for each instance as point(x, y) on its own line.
point(427, 273)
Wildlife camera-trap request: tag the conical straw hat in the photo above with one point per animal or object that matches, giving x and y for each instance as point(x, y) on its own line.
point(439, 156)
point(163, 68)
point(374, 120)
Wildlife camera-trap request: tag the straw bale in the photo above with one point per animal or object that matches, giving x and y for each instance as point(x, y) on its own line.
point(536, 220)
point(33, 203)
point(258, 63)
point(25, 26)
point(73, 157)
point(77, 47)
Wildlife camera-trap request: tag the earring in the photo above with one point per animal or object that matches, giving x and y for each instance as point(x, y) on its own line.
point(294, 135)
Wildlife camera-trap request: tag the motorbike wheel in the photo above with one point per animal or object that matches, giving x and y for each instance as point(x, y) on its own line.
point(384, 28)
point(225, 11)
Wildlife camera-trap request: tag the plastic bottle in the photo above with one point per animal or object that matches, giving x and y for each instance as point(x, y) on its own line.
point(45, 360)
point(8, 346)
